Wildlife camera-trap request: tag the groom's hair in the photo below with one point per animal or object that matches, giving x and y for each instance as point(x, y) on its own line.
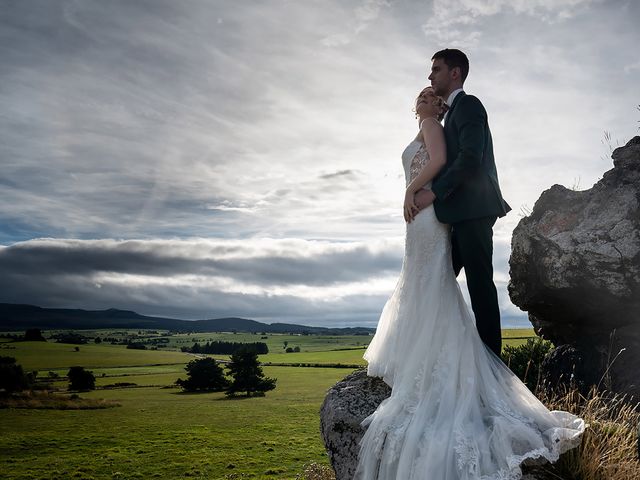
point(454, 58)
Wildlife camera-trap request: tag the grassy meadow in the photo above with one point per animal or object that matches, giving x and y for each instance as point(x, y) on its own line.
point(160, 432)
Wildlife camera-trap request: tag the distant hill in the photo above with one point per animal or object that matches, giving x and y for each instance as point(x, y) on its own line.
point(20, 317)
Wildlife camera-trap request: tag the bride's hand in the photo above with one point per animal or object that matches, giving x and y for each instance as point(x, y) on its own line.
point(410, 208)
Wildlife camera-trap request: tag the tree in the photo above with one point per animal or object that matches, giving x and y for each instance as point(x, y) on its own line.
point(81, 379)
point(205, 375)
point(70, 337)
point(97, 340)
point(12, 377)
point(221, 347)
point(247, 373)
point(34, 335)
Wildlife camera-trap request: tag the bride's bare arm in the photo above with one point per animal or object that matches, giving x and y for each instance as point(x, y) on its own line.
point(433, 135)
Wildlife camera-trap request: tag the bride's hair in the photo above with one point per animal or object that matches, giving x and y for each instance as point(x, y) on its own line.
point(441, 103)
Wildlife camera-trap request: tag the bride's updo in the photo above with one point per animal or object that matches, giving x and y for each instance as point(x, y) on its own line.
point(428, 95)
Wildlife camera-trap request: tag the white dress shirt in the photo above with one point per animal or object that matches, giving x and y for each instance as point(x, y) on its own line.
point(452, 97)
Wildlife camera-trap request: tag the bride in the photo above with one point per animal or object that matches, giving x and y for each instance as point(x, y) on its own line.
point(456, 412)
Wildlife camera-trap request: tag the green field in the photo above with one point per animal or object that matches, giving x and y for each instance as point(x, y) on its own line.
point(53, 356)
point(159, 432)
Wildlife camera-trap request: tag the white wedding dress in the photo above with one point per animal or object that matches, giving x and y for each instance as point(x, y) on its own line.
point(456, 412)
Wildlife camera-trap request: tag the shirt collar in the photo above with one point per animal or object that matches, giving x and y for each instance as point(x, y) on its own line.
point(452, 96)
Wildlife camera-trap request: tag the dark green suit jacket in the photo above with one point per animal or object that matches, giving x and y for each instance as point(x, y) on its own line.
point(467, 186)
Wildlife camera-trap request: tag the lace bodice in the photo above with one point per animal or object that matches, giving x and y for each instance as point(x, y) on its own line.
point(414, 157)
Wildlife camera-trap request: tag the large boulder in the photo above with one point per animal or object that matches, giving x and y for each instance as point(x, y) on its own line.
point(347, 403)
point(575, 268)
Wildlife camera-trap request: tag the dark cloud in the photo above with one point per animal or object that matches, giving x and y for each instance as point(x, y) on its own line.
point(340, 173)
point(318, 266)
point(197, 279)
point(196, 302)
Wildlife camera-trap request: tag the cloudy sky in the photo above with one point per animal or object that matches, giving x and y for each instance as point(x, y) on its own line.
point(208, 158)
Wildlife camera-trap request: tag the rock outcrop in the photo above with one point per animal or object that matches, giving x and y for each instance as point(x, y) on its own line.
point(347, 403)
point(575, 268)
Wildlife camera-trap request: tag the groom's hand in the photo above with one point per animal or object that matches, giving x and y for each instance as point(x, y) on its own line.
point(424, 198)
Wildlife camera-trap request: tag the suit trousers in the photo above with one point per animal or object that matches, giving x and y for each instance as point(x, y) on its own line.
point(472, 249)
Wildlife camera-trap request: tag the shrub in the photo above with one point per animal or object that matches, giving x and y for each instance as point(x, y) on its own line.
point(525, 360)
point(81, 379)
point(70, 337)
point(49, 401)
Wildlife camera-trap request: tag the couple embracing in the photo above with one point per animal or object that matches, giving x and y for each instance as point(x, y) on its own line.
point(455, 411)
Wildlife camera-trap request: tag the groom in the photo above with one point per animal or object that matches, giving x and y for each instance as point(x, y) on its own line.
point(466, 194)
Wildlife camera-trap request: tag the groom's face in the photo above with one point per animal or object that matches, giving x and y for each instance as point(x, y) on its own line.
point(440, 77)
